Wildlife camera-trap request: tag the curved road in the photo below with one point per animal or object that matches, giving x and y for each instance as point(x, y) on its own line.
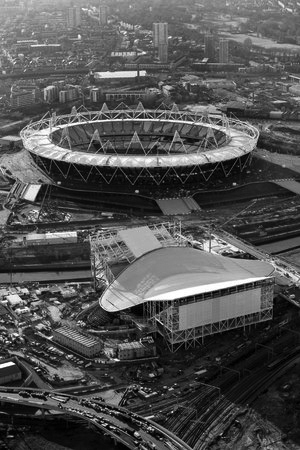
point(131, 430)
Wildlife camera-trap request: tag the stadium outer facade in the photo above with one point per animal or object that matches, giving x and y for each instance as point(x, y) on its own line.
point(183, 292)
point(138, 150)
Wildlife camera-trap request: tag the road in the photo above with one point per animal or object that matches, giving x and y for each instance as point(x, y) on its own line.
point(289, 161)
point(133, 431)
point(283, 270)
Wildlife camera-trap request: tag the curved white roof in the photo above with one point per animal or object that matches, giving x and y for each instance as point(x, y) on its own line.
point(170, 273)
point(241, 139)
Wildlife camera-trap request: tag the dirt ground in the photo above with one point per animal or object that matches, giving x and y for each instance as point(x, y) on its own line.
point(281, 406)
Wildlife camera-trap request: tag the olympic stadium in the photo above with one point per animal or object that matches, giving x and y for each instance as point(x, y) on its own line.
point(138, 151)
point(184, 293)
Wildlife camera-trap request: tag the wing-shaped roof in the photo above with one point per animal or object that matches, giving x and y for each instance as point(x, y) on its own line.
point(169, 273)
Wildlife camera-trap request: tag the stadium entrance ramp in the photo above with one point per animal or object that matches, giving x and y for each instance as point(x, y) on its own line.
point(290, 185)
point(174, 206)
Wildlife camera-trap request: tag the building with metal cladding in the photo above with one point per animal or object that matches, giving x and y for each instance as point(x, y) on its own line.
point(9, 372)
point(85, 345)
point(185, 293)
point(142, 150)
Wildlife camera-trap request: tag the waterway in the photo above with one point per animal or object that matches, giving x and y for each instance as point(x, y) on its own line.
point(25, 277)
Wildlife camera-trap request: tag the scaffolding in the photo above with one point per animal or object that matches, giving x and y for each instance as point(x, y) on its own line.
point(165, 316)
point(108, 249)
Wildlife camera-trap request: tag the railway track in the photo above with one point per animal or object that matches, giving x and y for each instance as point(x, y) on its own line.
point(200, 417)
point(244, 393)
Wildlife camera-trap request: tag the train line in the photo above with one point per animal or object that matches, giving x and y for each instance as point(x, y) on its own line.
point(243, 393)
point(201, 417)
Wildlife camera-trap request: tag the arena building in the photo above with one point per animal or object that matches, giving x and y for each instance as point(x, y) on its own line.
point(138, 151)
point(183, 292)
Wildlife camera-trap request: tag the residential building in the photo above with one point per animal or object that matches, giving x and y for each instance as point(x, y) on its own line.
point(96, 94)
point(69, 94)
point(103, 14)
point(21, 99)
point(163, 53)
point(209, 46)
point(63, 96)
point(223, 51)
point(51, 94)
point(74, 17)
point(160, 40)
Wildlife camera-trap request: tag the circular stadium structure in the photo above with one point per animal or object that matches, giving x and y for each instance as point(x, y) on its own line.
point(138, 150)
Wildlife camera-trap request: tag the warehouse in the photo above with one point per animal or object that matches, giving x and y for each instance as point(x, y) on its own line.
point(134, 350)
point(78, 342)
point(9, 372)
point(59, 237)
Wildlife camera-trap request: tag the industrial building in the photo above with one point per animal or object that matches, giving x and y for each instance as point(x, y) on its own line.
point(10, 141)
point(78, 342)
point(59, 237)
point(9, 372)
point(120, 75)
point(135, 350)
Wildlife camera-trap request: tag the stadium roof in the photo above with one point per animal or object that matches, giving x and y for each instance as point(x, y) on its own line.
point(41, 144)
point(171, 273)
point(242, 139)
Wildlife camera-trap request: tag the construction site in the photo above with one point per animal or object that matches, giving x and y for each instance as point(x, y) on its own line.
point(217, 380)
point(281, 137)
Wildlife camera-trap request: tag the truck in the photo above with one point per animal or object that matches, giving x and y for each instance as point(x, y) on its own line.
point(137, 435)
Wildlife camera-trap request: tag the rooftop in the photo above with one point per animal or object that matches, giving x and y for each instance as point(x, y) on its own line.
point(78, 337)
point(240, 138)
point(171, 273)
point(9, 368)
point(119, 74)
